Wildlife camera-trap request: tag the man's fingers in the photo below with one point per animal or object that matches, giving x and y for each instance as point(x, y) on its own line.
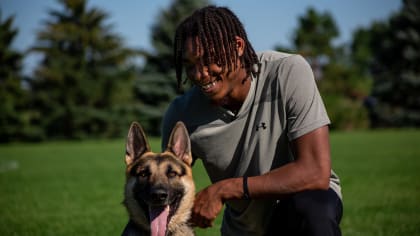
point(198, 218)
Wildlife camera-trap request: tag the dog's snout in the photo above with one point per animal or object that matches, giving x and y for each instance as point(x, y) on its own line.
point(159, 195)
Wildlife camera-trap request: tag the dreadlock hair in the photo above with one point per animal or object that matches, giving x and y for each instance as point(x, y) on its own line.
point(215, 29)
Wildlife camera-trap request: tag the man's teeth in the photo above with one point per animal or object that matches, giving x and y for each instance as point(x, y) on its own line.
point(209, 85)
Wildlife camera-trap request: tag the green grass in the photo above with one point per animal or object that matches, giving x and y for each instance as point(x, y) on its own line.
point(76, 188)
point(381, 181)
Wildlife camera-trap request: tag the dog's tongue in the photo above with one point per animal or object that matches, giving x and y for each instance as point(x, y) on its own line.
point(158, 220)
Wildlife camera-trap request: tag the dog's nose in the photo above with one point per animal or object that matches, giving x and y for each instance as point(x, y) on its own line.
point(159, 195)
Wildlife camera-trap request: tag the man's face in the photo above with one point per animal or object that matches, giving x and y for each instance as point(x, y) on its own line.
point(214, 83)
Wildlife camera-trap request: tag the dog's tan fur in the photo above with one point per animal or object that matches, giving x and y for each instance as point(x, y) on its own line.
point(177, 157)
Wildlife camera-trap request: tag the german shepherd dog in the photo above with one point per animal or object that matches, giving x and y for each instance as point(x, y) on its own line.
point(159, 188)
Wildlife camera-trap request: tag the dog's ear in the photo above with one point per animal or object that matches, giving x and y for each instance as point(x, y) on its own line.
point(179, 143)
point(136, 143)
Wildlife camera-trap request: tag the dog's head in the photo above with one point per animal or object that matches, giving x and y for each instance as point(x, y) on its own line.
point(159, 183)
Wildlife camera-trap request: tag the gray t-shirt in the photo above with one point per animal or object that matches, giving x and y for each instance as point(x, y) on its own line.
point(283, 104)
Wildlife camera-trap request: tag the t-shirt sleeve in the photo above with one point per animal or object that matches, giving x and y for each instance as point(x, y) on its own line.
point(304, 107)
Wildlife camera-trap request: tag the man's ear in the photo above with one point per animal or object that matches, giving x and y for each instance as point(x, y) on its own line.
point(179, 143)
point(240, 45)
point(136, 144)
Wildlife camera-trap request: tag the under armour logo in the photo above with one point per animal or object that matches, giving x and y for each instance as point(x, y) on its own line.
point(262, 125)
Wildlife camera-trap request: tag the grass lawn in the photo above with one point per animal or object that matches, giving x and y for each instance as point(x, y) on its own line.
point(76, 188)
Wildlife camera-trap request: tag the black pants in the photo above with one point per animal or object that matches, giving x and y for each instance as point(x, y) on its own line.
point(314, 213)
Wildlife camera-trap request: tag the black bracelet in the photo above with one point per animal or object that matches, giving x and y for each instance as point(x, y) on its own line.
point(245, 188)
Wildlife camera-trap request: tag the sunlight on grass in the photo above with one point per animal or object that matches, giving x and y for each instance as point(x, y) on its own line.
point(76, 188)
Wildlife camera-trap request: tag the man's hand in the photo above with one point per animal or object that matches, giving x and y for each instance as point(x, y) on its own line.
point(209, 201)
point(207, 205)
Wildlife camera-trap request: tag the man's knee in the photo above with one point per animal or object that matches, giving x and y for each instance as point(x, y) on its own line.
point(315, 213)
point(321, 210)
point(319, 204)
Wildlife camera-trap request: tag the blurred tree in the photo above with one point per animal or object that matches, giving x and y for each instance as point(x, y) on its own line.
point(361, 52)
point(344, 89)
point(341, 85)
point(11, 93)
point(156, 86)
point(313, 38)
point(83, 81)
point(13, 122)
point(395, 67)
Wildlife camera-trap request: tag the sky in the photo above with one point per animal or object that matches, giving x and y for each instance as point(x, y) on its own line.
point(268, 22)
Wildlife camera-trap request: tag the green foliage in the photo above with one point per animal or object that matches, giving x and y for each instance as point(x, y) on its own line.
point(395, 67)
point(84, 75)
point(342, 85)
point(10, 89)
point(10, 59)
point(15, 118)
point(343, 92)
point(315, 33)
point(86, 86)
point(76, 188)
point(157, 85)
point(361, 53)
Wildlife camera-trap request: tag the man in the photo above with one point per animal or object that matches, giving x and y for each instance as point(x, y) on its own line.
point(259, 125)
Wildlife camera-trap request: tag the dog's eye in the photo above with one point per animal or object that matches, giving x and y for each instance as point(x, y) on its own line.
point(172, 174)
point(143, 173)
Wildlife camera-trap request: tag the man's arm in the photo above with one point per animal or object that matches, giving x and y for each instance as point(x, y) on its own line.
point(310, 170)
